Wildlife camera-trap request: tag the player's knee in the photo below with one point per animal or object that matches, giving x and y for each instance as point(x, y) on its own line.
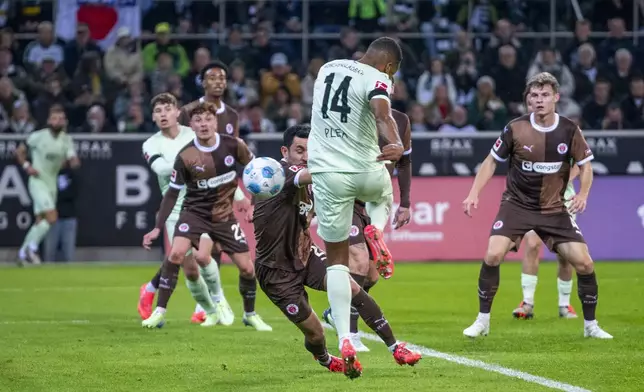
point(202, 258)
point(247, 270)
point(532, 244)
point(176, 256)
point(191, 271)
point(494, 257)
point(585, 265)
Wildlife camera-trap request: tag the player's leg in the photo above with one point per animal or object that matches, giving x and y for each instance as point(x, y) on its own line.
point(44, 199)
point(196, 284)
point(564, 288)
point(334, 198)
point(377, 191)
point(372, 276)
point(529, 272)
point(210, 273)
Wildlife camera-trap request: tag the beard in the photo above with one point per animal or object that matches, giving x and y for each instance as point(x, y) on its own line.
point(56, 128)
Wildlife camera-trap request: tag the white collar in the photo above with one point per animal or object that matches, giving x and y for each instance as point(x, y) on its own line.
point(205, 148)
point(219, 110)
point(544, 129)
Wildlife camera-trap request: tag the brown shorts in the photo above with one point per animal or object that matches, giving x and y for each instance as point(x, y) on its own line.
point(513, 222)
point(360, 221)
point(286, 288)
point(229, 235)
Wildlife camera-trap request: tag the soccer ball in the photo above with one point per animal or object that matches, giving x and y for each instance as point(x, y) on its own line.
point(264, 177)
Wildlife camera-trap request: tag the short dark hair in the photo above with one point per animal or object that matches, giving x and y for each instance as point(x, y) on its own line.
point(388, 45)
point(57, 108)
point(203, 108)
point(213, 65)
point(299, 130)
point(636, 77)
point(164, 99)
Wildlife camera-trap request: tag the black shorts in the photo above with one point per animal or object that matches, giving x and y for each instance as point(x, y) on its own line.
point(229, 235)
point(286, 288)
point(359, 222)
point(514, 222)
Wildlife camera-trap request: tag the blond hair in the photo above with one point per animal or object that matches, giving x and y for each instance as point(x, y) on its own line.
point(540, 80)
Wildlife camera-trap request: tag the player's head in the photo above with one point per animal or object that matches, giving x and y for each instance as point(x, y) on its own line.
point(57, 120)
point(384, 54)
point(203, 120)
point(165, 111)
point(214, 78)
point(542, 91)
point(294, 148)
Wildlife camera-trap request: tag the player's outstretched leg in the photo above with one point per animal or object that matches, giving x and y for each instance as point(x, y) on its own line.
point(576, 253)
point(489, 277)
point(379, 214)
point(146, 295)
point(315, 343)
point(529, 279)
point(196, 283)
point(248, 291)
point(564, 287)
point(210, 273)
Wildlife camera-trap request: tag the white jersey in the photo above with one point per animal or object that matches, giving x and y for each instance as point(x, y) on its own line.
point(343, 135)
point(160, 152)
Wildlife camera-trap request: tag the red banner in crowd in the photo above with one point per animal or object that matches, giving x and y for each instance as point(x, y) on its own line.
point(438, 230)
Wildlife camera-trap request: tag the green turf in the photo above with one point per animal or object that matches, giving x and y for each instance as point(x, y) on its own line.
point(42, 349)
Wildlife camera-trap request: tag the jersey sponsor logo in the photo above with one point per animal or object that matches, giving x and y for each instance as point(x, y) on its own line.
point(173, 176)
point(200, 169)
point(217, 181)
point(305, 208)
point(184, 227)
point(292, 309)
point(229, 160)
point(229, 129)
point(381, 86)
point(354, 231)
point(497, 225)
point(497, 144)
point(529, 148)
point(541, 167)
point(562, 148)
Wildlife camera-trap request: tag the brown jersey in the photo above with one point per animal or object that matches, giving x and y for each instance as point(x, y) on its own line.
point(227, 117)
point(540, 161)
point(210, 177)
point(282, 225)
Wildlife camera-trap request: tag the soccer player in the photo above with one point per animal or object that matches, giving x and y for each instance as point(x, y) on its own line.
point(287, 260)
point(206, 167)
point(49, 149)
point(160, 152)
point(363, 271)
point(530, 263)
point(351, 107)
point(540, 147)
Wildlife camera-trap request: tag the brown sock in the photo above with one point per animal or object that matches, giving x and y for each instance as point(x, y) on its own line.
point(217, 257)
point(155, 280)
point(167, 282)
point(248, 289)
point(587, 290)
point(489, 278)
point(319, 351)
point(368, 285)
point(373, 317)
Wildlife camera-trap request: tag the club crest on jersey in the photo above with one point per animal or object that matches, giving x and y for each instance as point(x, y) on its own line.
point(146, 156)
point(229, 129)
point(498, 144)
point(562, 148)
point(229, 160)
point(354, 231)
point(173, 176)
point(497, 225)
point(381, 86)
point(184, 227)
point(294, 168)
point(292, 309)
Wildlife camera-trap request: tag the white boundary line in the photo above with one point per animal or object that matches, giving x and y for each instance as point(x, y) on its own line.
point(490, 367)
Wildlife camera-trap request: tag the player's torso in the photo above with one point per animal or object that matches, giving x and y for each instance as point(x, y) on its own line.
point(343, 129)
point(169, 149)
point(48, 153)
point(540, 164)
point(211, 179)
point(282, 228)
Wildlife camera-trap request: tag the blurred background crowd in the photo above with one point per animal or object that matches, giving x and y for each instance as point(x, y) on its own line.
point(464, 68)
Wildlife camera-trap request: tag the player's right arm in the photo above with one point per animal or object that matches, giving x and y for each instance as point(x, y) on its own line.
point(21, 155)
point(161, 166)
point(177, 183)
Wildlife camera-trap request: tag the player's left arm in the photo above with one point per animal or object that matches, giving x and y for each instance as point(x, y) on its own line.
point(582, 155)
point(71, 156)
point(155, 160)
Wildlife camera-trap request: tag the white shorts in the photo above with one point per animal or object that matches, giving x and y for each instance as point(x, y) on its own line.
point(334, 196)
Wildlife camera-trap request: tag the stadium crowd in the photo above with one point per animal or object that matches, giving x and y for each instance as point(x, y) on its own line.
point(449, 84)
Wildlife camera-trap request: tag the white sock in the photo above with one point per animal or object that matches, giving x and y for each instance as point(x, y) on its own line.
point(160, 310)
point(249, 314)
point(22, 254)
point(392, 348)
point(529, 285)
point(216, 298)
point(379, 213)
point(199, 308)
point(210, 274)
point(33, 246)
point(149, 288)
point(483, 317)
point(338, 287)
point(564, 288)
point(589, 323)
point(199, 291)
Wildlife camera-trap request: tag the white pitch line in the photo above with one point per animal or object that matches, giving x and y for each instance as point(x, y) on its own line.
point(490, 367)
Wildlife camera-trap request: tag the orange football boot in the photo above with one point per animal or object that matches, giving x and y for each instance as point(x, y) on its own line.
point(405, 356)
point(379, 250)
point(145, 302)
point(198, 317)
point(352, 367)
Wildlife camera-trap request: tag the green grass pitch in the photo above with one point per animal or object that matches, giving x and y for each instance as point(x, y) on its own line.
point(75, 328)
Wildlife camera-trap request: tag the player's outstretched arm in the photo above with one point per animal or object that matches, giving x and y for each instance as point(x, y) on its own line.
point(303, 178)
point(385, 123)
point(21, 154)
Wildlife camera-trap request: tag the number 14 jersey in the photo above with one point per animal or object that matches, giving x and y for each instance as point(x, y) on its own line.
point(343, 135)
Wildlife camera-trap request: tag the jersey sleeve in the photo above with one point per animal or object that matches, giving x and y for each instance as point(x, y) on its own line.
point(179, 174)
point(579, 149)
point(244, 154)
point(378, 85)
point(70, 152)
point(292, 176)
point(32, 139)
point(502, 147)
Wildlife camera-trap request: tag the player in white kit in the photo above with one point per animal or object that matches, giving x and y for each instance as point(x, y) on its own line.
point(160, 151)
point(351, 108)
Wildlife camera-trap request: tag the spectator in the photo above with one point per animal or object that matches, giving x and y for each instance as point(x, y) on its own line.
point(462, 45)
point(623, 72)
point(487, 112)
point(180, 61)
point(309, 81)
point(135, 121)
point(5, 120)
point(43, 47)
point(482, 15)
point(9, 95)
point(430, 79)
point(567, 107)
point(16, 73)
point(417, 118)
point(400, 96)
point(255, 122)
point(96, 121)
point(633, 105)
point(582, 36)
point(503, 35)
point(465, 78)
point(134, 95)
point(175, 87)
point(277, 109)
point(617, 39)
point(88, 85)
point(458, 122)
point(242, 91)
point(21, 120)
point(440, 109)
point(586, 72)
point(614, 118)
point(367, 16)
point(349, 44)
point(75, 49)
point(161, 74)
point(123, 61)
point(279, 75)
point(548, 60)
point(192, 81)
point(45, 71)
point(510, 80)
point(262, 51)
point(8, 41)
point(295, 115)
point(594, 108)
point(51, 95)
point(235, 49)
point(60, 242)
